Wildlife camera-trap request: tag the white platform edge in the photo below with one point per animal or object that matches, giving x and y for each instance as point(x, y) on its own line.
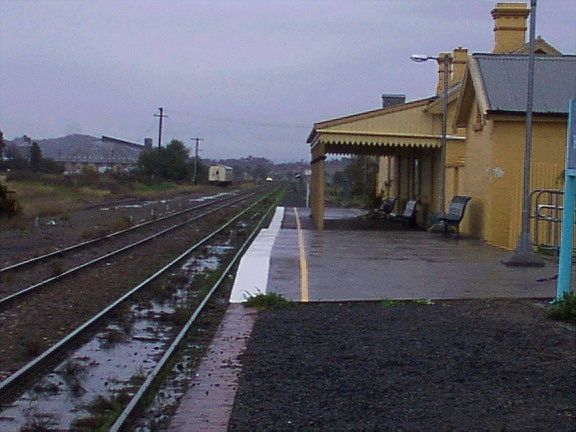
point(252, 275)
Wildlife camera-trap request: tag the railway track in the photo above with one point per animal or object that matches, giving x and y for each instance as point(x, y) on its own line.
point(78, 257)
point(89, 243)
point(64, 304)
point(27, 375)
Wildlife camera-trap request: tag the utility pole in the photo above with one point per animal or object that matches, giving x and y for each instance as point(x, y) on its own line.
point(161, 116)
point(195, 180)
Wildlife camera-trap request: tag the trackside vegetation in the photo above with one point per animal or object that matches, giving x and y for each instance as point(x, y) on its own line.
point(269, 301)
point(563, 310)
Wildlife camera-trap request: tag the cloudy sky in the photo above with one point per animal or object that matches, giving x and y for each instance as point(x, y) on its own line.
point(248, 76)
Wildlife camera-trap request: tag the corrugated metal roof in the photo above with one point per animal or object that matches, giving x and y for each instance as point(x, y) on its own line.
point(505, 81)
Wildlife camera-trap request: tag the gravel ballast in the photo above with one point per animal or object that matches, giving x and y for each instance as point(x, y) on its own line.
point(456, 365)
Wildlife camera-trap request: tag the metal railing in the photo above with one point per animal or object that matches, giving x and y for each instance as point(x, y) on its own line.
point(546, 207)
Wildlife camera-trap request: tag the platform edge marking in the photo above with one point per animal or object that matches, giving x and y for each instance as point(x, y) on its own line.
point(252, 274)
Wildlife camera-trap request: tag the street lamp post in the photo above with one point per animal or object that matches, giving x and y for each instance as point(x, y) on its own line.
point(523, 255)
point(446, 59)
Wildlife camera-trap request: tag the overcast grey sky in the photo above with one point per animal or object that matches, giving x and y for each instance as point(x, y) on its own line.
point(249, 76)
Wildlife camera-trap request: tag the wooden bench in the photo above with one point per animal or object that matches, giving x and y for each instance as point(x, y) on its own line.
point(409, 213)
point(455, 213)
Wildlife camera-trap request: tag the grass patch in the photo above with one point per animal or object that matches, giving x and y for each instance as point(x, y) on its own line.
point(121, 223)
point(179, 317)
point(6, 277)
point(269, 301)
point(93, 233)
point(390, 303)
point(103, 412)
point(46, 387)
point(57, 268)
point(40, 199)
point(72, 370)
point(111, 337)
point(394, 303)
point(423, 301)
point(55, 195)
point(563, 310)
point(39, 422)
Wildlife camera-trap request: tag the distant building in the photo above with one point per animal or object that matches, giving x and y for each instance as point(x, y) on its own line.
point(19, 148)
point(78, 152)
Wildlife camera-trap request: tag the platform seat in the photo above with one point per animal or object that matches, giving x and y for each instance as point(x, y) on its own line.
point(455, 213)
point(387, 206)
point(409, 214)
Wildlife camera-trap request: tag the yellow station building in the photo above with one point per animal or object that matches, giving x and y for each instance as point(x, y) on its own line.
point(485, 136)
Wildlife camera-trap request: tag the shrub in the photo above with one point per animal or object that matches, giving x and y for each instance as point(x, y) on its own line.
point(9, 205)
point(563, 310)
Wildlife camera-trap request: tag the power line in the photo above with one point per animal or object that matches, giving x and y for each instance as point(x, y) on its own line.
point(245, 121)
point(141, 137)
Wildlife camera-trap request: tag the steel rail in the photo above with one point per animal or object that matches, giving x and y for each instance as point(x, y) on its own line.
point(33, 367)
point(111, 235)
point(5, 301)
point(131, 409)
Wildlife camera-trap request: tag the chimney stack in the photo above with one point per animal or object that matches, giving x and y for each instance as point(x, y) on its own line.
point(509, 26)
point(440, 86)
point(392, 99)
point(459, 59)
point(147, 144)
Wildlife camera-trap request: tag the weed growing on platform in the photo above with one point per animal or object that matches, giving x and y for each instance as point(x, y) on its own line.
point(563, 310)
point(269, 301)
point(423, 301)
point(391, 303)
point(394, 303)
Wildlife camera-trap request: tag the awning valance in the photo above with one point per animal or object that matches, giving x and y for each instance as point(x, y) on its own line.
point(376, 139)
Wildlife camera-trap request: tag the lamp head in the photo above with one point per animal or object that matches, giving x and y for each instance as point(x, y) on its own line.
point(419, 58)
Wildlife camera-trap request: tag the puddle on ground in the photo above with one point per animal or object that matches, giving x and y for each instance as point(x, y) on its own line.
point(164, 201)
point(209, 197)
point(159, 412)
point(117, 358)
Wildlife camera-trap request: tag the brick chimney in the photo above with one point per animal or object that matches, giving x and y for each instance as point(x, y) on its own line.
point(509, 26)
point(459, 59)
point(389, 100)
point(440, 86)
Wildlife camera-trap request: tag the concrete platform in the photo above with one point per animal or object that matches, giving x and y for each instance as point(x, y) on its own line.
point(354, 265)
point(305, 265)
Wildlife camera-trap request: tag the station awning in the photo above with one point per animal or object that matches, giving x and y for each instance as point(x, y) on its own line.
point(338, 141)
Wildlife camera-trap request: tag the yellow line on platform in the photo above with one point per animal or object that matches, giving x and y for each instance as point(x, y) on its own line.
point(303, 262)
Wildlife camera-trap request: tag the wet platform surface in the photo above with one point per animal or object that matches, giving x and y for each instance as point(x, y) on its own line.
point(339, 264)
point(393, 264)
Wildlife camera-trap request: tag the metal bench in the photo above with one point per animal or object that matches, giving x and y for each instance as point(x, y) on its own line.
point(409, 213)
point(455, 213)
point(387, 206)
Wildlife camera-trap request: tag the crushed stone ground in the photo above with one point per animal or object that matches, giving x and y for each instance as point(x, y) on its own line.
point(458, 365)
